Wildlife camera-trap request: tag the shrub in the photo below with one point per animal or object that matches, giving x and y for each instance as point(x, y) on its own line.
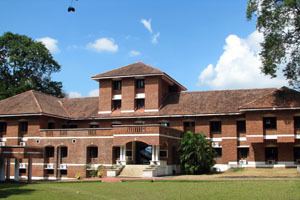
point(196, 154)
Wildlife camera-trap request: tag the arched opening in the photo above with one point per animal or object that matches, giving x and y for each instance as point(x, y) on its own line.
point(138, 153)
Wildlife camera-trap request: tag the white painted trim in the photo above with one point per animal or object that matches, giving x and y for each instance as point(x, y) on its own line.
point(166, 116)
point(127, 111)
point(140, 96)
point(250, 136)
point(28, 152)
point(262, 109)
point(104, 112)
point(216, 139)
point(151, 110)
point(242, 139)
point(117, 97)
point(270, 137)
point(243, 146)
point(75, 137)
point(146, 135)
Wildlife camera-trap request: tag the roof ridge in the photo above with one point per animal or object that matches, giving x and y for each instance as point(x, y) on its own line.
point(258, 98)
point(63, 107)
point(223, 90)
point(36, 101)
point(15, 95)
point(67, 98)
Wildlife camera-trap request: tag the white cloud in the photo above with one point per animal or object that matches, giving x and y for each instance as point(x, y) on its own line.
point(239, 66)
point(50, 43)
point(134, 53)
point(74, 95)
point(155, 38)
point(104, 45)
point(94, 93)
point(147, 24)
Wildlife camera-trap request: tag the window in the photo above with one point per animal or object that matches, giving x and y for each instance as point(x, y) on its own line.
point(63, 152)
point(51, 125)
point(139, 103)
point(189, 126)
point(163, 153)
point(49, 152)
point(270, 123)
point(92, 152)
point(3, 127)
point(140, 83)
point(116, 104)
point(297, 123)
point(117, 85)
point(116, 123)
point(271, 153)
point(241, 126)
point(215, 127)
point(218, 152)
point(73, 126)
point(165, 123)
point(94, 125)
point(23, 127)
point(243, 153)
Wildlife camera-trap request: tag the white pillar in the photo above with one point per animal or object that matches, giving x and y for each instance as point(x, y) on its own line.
point(123, 155)
point(153, 152)
point(17, 176)
point(2, 169)
point(157, 153)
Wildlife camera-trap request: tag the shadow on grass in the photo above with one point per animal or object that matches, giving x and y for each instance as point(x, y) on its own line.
point(11, 189)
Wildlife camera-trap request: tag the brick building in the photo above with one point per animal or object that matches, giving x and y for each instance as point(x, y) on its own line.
point(138, 119)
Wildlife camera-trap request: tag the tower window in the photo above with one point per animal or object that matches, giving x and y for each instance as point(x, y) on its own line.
point(215, 126)
point(241, 126)
point(3, 127)
point(117, 85)
point(139, 103)
point(270, 123)
point(140, 83)
point(296, 123)
point(23, 127)
point(116, 104)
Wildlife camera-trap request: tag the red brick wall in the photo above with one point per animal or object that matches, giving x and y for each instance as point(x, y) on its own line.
point(128, 94)
point(105, 95)
point(152, 91)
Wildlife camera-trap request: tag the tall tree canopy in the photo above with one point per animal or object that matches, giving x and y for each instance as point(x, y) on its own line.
point(26, 64)
point(279, 21)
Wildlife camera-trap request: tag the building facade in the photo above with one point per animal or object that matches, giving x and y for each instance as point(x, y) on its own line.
point(139, 119)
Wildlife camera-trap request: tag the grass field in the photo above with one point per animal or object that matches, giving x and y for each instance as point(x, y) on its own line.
point(254, 189)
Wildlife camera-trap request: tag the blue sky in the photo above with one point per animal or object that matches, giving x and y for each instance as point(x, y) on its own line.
point(203, 44)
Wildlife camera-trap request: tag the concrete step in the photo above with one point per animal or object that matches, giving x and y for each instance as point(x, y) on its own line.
point(133, 171)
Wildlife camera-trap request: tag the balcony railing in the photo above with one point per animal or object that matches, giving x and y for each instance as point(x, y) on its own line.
point(119, 129)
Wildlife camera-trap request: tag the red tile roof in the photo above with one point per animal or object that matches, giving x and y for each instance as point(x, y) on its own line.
point(134, 69)
point(183, 103)
point(281, 98)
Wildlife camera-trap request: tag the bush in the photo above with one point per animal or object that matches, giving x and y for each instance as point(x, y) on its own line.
point(196, 154)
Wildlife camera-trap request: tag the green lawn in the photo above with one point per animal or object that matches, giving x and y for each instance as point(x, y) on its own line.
point(254, 189)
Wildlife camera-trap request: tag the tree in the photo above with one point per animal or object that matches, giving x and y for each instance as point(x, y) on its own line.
point(279, 21)
point(196, 154)
point(26, 64)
